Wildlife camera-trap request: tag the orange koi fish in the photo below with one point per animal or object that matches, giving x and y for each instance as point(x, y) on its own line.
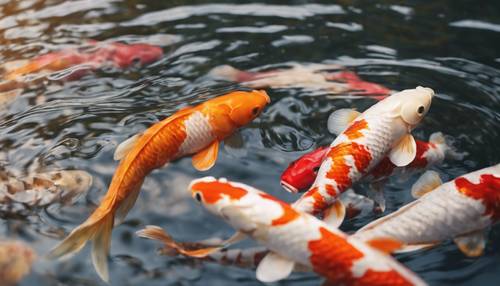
point(297, 238)
point(192, 130)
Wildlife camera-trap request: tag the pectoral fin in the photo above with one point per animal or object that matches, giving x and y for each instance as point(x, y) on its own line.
point(404, 152)
point(471, 244)
point(340, 119)
point(125, 147)
point(205, 159)
point(274, 267)
point(335, 214)
point(426, 183)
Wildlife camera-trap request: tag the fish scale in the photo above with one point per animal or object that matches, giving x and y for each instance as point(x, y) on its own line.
point(441, 214)
point(300, 238)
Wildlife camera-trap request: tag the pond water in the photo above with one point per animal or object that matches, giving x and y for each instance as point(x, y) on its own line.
point(450, 46)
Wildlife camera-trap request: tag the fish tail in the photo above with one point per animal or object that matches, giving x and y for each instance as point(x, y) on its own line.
point(98, 229)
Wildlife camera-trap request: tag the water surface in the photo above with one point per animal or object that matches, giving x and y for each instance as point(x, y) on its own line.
point(450, 46)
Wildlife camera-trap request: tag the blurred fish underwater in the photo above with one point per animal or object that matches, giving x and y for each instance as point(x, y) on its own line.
point(61, 121)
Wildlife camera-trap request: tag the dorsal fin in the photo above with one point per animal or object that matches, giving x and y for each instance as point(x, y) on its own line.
point(123, 148)
point(340, 119)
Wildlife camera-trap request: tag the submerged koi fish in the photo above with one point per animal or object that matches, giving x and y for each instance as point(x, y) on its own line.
point(297, 238)
point(381, 131)
point(92, 56)
point(42, 189)
point(460, 210)
point(192, 130)
point(313, 77)
point(16, 259)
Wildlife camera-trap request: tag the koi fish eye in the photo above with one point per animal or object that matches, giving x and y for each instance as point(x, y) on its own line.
point(421, 109)
point(315, 170)
point(198, 197)
point(255, 110)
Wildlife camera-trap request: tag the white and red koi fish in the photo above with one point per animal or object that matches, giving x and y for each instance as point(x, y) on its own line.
point(460, 210)
point(363, 141)
point(301, 173)
point(311, 77)
point(80, 61)
point(297, 238)
point(192, 130)
point(94, 54)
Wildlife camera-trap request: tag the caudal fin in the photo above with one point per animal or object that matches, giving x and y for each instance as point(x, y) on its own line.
point(97, 230)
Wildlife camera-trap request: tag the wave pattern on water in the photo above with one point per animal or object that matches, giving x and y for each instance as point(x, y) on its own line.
point(449, 46)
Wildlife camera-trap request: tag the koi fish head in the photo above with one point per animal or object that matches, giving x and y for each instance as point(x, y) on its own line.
point(240, 107)
point(215, 195)
point(242, 206)
point(411, 105)
point(301, 173)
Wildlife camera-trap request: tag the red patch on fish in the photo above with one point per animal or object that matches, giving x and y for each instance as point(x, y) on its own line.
point(339, 170)
point(420, 162)
point(333, 257)
point(487, 191)
point(318, 199)
point(289, 214)
point(354, 130)
point(216, 190)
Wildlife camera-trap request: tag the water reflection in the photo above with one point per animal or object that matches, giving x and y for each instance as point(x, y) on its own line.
point(77, 124)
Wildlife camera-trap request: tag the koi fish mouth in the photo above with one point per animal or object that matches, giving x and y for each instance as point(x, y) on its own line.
point(289, 187)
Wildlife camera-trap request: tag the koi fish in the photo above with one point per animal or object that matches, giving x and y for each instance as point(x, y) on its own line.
point(298, 238)
point(312, 77)
point(43, 189)
point(94, 55)
point(249, 258)
point(16, 259)
point(363, 140)
point(300, 174)
point(192, 130)
point(460, 209)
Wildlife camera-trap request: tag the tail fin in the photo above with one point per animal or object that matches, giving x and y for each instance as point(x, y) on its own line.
point(99, 231)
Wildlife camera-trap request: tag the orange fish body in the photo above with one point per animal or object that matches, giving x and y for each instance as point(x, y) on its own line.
point(192, 130)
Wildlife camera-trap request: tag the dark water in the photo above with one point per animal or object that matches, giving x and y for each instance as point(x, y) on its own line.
point(451, 46)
